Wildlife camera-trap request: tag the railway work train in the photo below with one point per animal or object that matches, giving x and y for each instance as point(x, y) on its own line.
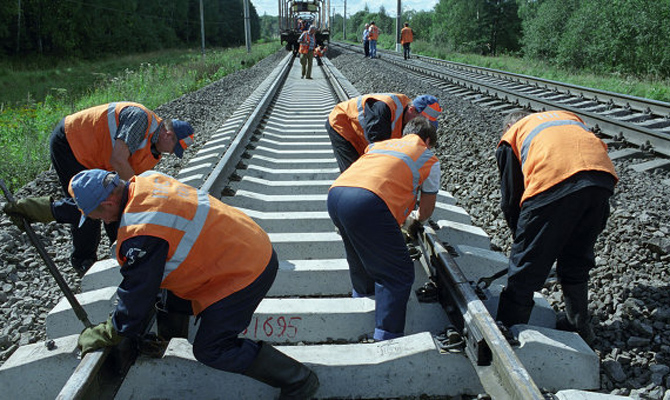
point(298, 15)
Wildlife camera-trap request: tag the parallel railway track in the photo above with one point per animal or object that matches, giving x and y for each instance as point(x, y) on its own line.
point(635, 121)
point(273, 160)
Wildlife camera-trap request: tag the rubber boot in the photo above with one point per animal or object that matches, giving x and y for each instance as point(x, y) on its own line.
point(510, 312)
point(272, 367)
point(576, 318)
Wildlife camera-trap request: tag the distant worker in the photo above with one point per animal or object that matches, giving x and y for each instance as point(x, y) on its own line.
point(370, 202)
point(307, 42)
point(319, 52)
point(366, 40)
point(355, 123)
point(556, 181)
point(206, 255)
point(406, 38)
point(124, 137)
point(373, 36)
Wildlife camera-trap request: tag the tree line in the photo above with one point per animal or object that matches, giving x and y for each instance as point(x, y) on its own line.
point(91, 28)
point(603, 36)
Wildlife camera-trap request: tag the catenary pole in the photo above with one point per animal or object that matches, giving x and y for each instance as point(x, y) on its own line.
point(247, 26)
point(398, 26)
point(202, 28)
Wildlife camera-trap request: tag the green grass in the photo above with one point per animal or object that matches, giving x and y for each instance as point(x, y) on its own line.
point(38, 95)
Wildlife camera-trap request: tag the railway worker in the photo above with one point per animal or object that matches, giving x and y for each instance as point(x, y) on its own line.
point(307, 41)
point(406, 38)
point(366, 40)
point(370, 202)
point(213, 256)
point(355, 123)
point(124, 137)
point(319, 52)
point(556, 181)
point(373, 35)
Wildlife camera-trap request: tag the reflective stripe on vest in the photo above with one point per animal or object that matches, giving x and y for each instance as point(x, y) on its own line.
point(552, 146)
point(90, 134)
point(414, 166)
point(394, 170)
point(112, 123)
point(348, 117)
point(191, 228)
point(214, 250)
point(394, 98)
point(536, 131)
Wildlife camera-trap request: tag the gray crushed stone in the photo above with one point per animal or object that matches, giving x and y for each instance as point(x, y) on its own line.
point(630, 300)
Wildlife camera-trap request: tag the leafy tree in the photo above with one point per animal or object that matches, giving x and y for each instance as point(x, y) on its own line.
point(543, 26)
point(91, 28)
point(459, 23)
point(618, 35)
point(421, 24)
point(269, 27)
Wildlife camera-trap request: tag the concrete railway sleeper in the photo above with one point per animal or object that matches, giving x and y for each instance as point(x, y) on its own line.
point(273, 160)
point(640, 127)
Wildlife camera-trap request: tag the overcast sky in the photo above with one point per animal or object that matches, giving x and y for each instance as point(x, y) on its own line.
point(269, 7)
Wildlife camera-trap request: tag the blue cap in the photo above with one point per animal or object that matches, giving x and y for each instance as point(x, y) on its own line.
point(184, 132)
point(91, 187)
point(428, 107)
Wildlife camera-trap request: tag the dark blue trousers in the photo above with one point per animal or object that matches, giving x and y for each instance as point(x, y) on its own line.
point(379, 262)
point(85, 239)
point(345, 152)
point(564, 231)
point(217, 343)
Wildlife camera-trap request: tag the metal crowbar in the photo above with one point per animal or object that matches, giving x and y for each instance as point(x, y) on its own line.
point(69, 295)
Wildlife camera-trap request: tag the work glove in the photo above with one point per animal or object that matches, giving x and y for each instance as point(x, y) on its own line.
point(33, 209)
point(411, 225)
point(99, 336)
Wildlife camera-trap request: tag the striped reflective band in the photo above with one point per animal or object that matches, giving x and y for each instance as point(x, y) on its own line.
point(396, 100)
point(431, 112)
point(185, 142)
point(114, 127)
point(111, 122)
point(413, 166)
point(190, 228)
point(551, 124)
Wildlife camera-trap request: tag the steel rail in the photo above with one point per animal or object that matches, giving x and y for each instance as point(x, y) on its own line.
point(648, 106)
point(86, 374)
point(499, 369)
point(480, 80)
point(641, 136)
point(486, 346)
point(226, 166)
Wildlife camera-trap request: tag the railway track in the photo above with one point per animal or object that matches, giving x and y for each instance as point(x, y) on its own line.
point(641, 126)
point(273, 160)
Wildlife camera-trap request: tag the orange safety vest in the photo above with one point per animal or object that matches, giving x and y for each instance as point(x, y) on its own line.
point(347, 117)
point(215, 250)
point(394, 170)
point(305, 40)
point(373, 32)
point(91, 132)
point(552, 146)
point(406, 35)
point(319, 52)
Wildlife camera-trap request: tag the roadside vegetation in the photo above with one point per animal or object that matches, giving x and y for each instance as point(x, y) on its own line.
point(36, 95)
point(48, 71)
